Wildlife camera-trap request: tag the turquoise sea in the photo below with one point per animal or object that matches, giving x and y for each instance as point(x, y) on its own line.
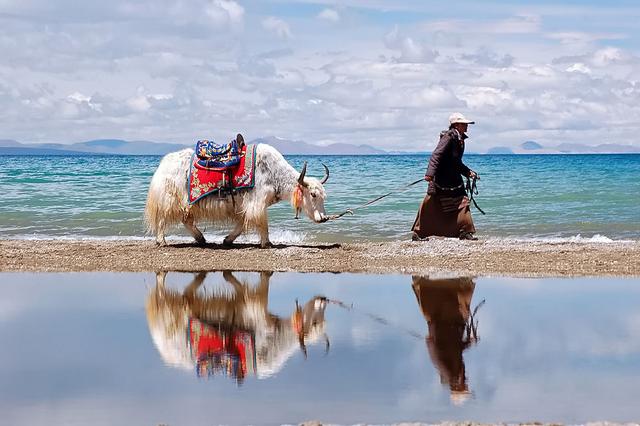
point(565, 197)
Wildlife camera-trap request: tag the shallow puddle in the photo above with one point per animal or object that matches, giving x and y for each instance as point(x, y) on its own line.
point(261, 348)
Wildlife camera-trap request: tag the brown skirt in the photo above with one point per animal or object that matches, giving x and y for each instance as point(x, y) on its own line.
point(443, 216)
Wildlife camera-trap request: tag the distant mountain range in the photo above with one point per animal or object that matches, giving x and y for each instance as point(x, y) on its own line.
point(288, 147)
point(532, 147)
point(303, 148)
point(121, 147)
point(99, 146)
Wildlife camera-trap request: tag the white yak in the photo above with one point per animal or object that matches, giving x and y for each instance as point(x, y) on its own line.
point(275, 180)
point(245, 308)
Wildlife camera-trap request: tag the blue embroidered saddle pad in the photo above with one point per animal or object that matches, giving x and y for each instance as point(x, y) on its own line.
point(204, 181)
point(212, 156)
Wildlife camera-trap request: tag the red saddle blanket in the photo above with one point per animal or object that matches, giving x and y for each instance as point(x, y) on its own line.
point(221, 350)
point(242, 176)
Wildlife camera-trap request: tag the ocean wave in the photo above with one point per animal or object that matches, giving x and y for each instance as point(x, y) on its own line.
point(277, 236)
point(597, 238)
point(78, 237)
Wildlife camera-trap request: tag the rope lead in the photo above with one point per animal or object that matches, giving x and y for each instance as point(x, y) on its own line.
point(351, 210)
point(471, 189)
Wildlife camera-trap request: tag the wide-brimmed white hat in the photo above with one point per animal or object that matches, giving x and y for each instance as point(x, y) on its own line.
point(457, 117)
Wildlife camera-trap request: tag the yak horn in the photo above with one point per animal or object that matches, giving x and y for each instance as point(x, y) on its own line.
point(302, 173)
point(326, 174)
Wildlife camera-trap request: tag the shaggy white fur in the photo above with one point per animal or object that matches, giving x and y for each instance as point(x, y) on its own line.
point(275, 179)
point(246, 307)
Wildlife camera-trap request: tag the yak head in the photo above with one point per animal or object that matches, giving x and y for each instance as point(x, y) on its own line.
point(309, 195)
point(308, 322)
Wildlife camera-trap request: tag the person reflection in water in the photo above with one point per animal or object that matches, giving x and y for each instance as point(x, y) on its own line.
point(230, 333)
point(446, 305)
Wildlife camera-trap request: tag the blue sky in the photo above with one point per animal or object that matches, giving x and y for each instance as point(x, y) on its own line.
point(384, 73)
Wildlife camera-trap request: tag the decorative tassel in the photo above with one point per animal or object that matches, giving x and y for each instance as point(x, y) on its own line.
point(296, 199)
point(297, 320)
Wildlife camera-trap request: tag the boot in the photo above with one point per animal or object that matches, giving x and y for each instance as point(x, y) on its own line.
point(465, 235)
point(416, 237)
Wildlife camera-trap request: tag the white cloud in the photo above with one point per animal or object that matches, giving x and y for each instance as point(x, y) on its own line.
point(74, 70)
point(223, 11)
point(139, 103)
point(484, 57)
point(579, 67)
point(409, 49)
point(479, 98)
point(432, 96)
point(518, 24)
point(607, 56)
point(277, 26)
point(78, 97)
point(580, 38)
point(329, 15)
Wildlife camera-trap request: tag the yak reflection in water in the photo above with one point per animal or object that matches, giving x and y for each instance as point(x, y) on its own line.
point(229, 333)
point(446, 305)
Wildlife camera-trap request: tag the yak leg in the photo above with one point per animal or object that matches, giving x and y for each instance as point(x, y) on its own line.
point(189, 223)
point(238, 287)
point(189, 292)
point(160, 278)
point(237, 230)
point(263, 287)
point(160, 241)
point(263, 231)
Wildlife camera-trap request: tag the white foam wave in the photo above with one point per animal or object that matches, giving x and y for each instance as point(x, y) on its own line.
point(72, 237)
point(597, 238)
point(285, 236)
point(278, 236)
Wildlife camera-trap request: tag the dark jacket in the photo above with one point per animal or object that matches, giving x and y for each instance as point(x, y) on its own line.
point(446, 166)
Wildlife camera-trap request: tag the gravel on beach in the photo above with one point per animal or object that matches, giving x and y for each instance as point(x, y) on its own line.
point(436, 256)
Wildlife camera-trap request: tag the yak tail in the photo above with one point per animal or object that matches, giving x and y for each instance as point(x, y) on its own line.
point(164, 205)
point(153, 209)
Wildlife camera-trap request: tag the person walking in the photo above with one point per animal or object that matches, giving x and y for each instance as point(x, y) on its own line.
point(446, 305)
point(445, 209)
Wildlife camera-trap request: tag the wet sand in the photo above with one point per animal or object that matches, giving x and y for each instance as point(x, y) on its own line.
point(489, 257)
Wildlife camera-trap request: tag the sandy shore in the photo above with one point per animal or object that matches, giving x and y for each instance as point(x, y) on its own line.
point(490, 257)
